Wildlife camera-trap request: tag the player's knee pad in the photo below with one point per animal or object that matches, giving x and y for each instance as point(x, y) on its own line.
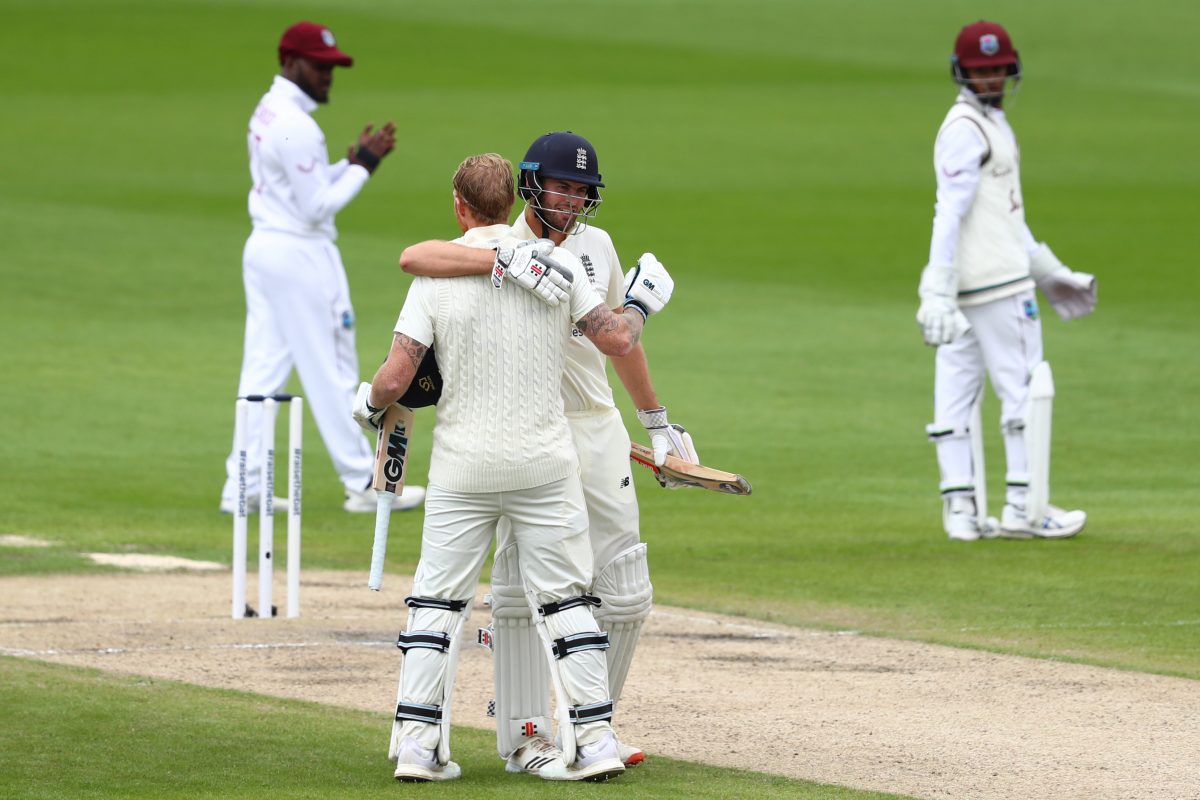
point(430, 645)
point(519, 671)
point(626, 597)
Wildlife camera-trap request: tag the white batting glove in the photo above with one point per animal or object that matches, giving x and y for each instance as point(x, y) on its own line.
point(366, 415)
point(938, 315)
point(648, 286)
point(531, 267)
point(667, 439)
point(1072, 294)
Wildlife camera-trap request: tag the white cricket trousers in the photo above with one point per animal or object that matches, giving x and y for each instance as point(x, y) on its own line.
point(1005, 342)
point(549, 524)
point(603, 447)
point(298, 313)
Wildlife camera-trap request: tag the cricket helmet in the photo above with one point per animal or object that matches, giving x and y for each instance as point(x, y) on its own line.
point(983, 44)
point(566, 156)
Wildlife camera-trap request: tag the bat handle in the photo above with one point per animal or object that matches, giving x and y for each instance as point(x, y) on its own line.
point(383, 516)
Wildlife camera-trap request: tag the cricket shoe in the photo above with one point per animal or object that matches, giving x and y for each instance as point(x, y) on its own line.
point(630, 756)
point(417, 764)
point(598, 761)
point(1055, 523)
point(366, 501)
point(958, 519)
point(538, 756)
point(228, 506)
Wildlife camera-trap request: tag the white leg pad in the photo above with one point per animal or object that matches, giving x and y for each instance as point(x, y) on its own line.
point(1037, 441)
point(626, 596)
point(519, 671)
point(430, 644)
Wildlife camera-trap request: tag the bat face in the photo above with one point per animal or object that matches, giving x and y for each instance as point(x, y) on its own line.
point(677, 473)
point(391, 450)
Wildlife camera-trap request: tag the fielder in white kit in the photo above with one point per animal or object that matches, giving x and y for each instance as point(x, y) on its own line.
point(560, 183)
point(978, 304)
point(298, 310)
point(502, 450)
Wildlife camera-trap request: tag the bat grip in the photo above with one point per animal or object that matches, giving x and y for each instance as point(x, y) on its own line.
point(383, 516)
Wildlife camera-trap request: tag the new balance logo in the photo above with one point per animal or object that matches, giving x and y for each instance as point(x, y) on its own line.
point(625, 482)
point(581, 158)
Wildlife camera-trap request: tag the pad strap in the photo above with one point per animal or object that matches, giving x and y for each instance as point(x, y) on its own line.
point(592, 712)
point(570, 602)
point(938, 433)
point(419, 712)
point(431, 640)
point(435, 602)
point(578, 643)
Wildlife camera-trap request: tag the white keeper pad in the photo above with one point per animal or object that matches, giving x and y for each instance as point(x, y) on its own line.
point(623, 586)
point(519, 671)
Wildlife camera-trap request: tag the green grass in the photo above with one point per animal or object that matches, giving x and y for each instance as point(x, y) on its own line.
point(776, 156)
point(88, 734)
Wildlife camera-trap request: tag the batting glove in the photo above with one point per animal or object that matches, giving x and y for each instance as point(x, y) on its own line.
point(648, 286)
point(530, 265)
point(665, 438)
point(366, 415)
point(940, 320)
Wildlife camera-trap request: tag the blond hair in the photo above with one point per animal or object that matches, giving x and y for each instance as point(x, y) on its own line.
point(485, 184)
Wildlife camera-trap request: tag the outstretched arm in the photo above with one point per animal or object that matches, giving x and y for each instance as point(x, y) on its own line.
point(439, 259)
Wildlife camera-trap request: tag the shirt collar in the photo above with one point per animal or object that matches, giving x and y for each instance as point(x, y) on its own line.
point(294, 93)
point(487, 235)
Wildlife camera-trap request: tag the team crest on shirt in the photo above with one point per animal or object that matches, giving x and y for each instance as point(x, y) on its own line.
point(989, 44)
point(1031, 308)
point(587, 267)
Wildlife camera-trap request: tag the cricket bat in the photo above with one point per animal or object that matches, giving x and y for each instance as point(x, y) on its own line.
point(677, 473)
point(391, 458)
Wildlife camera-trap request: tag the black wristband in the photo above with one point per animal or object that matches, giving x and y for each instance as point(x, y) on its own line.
point(638, 307)
point(366, 158)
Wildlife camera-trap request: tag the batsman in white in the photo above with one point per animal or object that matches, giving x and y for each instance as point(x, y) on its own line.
point(298, 310)
point(978, 302)
point(502, 450)
point(560, 182)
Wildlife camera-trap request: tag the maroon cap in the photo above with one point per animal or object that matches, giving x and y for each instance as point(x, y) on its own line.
point(984, 44)
point(314, 42)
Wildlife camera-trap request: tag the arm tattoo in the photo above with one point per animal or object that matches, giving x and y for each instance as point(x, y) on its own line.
point(411, 348)
point(600, 321)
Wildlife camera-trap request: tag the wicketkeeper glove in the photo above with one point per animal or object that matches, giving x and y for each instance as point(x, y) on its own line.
point(530, 265)
point(666, 438)
point(366, 415)
point(940, 320)
point(1073, 294)
point(648, 286)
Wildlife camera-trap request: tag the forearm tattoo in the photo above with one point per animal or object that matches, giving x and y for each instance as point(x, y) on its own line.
point(602, 322)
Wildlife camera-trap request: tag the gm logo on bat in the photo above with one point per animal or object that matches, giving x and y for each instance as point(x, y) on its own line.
point(397, 450)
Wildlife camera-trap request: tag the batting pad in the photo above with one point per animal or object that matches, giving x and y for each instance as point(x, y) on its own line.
point(519, 672)
point(625, 593)
point(430, 645)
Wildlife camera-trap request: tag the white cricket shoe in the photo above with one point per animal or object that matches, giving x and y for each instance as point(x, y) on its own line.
point(1056, 524)
point(598, 761)
point(958, 518)
point(228, 505)
point(630, 756)
point(538, 756)
point(366, 501)
point(417, 764)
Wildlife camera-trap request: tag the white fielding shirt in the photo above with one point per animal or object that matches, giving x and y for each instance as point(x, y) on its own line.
point(999, 247)
point(585, 384)
point(295, 188)
point(500, 423)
